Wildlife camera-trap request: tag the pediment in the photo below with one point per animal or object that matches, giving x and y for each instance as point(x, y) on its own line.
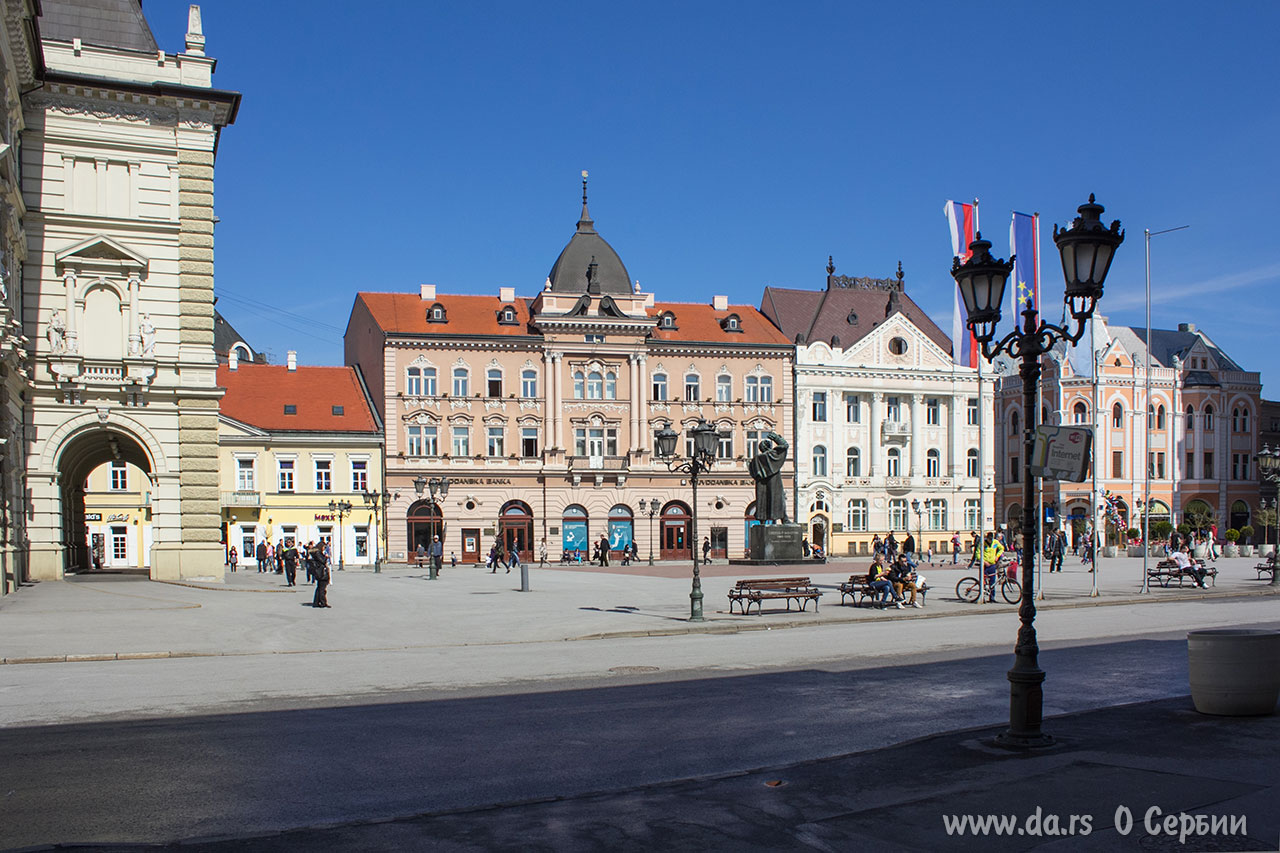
point(101, 252)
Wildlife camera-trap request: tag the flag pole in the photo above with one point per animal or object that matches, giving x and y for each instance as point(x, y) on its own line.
point(982, 460)
point(1035, 242)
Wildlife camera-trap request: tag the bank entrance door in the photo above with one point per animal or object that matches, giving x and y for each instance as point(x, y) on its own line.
point(676, 535)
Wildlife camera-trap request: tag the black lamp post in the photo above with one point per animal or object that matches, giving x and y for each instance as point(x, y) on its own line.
point(650, 509)
point(915, 507)
point(341, 509)
point(373, 500)
point(1087, 248)
point(705, 440)
point(1269, 468)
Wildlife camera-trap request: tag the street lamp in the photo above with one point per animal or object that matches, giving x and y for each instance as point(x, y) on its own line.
point(1087, 249)
point(915, 507)
point(439, 490)
point(650, 509)
point(373, 500)
point(705, 440)
point(1269, 467)
point(342, 509)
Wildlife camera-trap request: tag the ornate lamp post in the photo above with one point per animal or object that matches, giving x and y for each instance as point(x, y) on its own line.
point(372, 500)
point(341, 509)
point(650, 508)
point(915, 507)
point(1087, 248)
point(1269, 467)
point(439, 489)
point(705, 440)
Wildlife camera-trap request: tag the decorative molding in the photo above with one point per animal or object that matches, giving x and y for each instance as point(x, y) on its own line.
point(77, 106)
point(460, 404)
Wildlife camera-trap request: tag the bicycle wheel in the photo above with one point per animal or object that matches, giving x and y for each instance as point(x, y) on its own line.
point(968, 590)
point(1011, 590)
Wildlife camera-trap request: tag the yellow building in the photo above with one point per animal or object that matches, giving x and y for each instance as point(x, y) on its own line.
point(117, 515)
point(300, 460)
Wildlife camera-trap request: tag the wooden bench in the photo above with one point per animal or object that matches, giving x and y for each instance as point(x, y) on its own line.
point(1269, 567)
point(1167, 571)
point(857, 588)
point(756, 590)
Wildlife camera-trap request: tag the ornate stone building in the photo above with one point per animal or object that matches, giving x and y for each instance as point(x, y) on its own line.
point(541, 411)
point(887, 435)
point(117, 165)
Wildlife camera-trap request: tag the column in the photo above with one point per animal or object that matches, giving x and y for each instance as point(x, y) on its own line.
point(73, 336)
point(1197, 456)
point(559, 417)
point(135, 338)
point(100, 169)
point(642, 394)
point(917, 434)
point(873, 430)
point(548, 401)
point(68, 182)
point(633, 365)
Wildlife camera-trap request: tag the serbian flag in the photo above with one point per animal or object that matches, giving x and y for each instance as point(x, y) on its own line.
point(1024, 244)
point(962, 218)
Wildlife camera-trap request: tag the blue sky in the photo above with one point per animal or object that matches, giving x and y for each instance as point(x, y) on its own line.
point(735, 145)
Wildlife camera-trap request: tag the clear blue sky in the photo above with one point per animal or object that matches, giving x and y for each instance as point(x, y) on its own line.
point(736, 145)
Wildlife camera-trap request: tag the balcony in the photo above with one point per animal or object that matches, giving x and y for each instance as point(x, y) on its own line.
point(895, 430)
point(242, 498)
point(897, 483)
point(598, 463)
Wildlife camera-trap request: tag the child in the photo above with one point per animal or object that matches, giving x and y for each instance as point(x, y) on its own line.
point(453, 559)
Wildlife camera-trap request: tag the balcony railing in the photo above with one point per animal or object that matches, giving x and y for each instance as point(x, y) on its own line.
point(242, 498)
point(897, 429)
point(598, 463)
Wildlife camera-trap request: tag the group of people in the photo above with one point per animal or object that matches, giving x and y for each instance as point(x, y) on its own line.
point(283, 559)
point(893, 581)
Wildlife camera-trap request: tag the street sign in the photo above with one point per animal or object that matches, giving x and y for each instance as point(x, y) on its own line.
point(1062, 453)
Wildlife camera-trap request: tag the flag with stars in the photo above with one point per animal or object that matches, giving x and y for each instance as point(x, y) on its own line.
point(1024, 286)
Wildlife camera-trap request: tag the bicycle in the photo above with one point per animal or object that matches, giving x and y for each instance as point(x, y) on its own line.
point(969, 589)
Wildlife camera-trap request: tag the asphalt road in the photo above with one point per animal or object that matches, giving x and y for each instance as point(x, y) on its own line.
point(252, 744)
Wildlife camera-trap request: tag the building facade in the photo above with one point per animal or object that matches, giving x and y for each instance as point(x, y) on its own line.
point(541, 411)
point(887, 423)
point(117, 164)
point(1197, 433)
point(299, 455)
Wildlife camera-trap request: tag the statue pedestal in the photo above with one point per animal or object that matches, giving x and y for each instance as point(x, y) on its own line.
point(773, 544)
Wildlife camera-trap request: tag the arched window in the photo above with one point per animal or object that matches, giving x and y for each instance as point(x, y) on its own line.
point(724, 388)
point(1080, 413)
point(692, 387)
point(1208, 418)
point(579, 384)
point(819, 504)
point(1117, 416)
point(1151, 416)
point(610, 385)
point(660, 386)
point(1013, 424)
point(856, 515)
point(933, 464)
point(819, 461)
point(971, 463)
point(1160, 417)
point(461, 382)
point(595, 385)
point(1191, 419)
point(494, 378)
point(413, 382)
point(574, 531)
point(893, 464)
point(853, 462)
point(1235, 419)
point(1244, 420)
point(529, 383)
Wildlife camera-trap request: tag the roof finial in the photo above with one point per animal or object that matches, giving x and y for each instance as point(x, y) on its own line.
point(584, 221)
point(584, 188)
point(899, 275)
point(831, 265)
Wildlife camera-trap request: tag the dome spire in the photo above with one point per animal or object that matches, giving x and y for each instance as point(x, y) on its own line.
point(585, 225)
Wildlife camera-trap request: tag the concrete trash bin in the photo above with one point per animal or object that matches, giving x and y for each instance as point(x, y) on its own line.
point(1234, 671)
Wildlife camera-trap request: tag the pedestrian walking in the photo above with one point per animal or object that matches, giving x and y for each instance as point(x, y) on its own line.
point(320, 568)
point(706, 549)
point(437, 553)
point(499, 555)
point(604, 551)
point(1057, 550)
point(261, 555)
point(232, 558)
point(514, 563)
point(542, 553)
point(290, 558)
point(955, 548)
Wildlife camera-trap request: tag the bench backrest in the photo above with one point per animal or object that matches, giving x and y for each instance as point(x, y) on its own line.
point(773, 583)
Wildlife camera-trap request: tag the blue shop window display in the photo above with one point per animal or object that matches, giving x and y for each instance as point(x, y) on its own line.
point(575, 530)
point(620, 528)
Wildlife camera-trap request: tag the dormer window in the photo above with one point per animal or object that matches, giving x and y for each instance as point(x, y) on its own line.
point(436, 314)
point(852, 319)
point(667, 321)
point(507, 316)
point(732, 323)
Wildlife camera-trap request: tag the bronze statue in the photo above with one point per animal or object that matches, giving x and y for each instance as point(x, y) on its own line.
point(766, 470)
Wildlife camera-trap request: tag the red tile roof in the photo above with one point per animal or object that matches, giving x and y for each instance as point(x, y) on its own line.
point(701, 322)
point(257, 394)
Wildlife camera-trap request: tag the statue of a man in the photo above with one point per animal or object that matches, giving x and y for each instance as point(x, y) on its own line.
point(766, 470)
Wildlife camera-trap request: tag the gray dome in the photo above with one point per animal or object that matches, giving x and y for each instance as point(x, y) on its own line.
point(569, 274)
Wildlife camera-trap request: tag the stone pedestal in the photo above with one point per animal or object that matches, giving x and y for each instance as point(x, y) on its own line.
point(777, 543)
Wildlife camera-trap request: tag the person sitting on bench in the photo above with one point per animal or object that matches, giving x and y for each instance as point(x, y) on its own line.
point(878, 582)
point(1186, 564)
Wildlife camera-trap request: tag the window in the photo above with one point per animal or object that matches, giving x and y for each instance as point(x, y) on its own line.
point(495, 441)
point(413, 441)
point(120, 476)
point(1160, 418)
point(932, 411)
point(461, 382)
point(1080, 413)
point(528, 442)
point(596, 441)
point(731, 323)
point(1209, 473)
point(1239, 466)
point(692, 386)
point(462, 441)
point(1159, 471)
point(932, 464)
point(724, 388)
point(1244, 420)
point(430, 444)
point(579, 384)
point(610, 385)
point(284, 474)
point(668, 321)
point(753, 442)
point(1151, 416)
point(753, 389)
point(1015, 470)
point(1117, 416)
point(1117, 464)
point(853, 462)
point(494, 377)
point(819, 461)
point(971, 463)
point(1191, 465)
point(898, 346)
point(819, 406)
point(766, 389)
point(893, 409)
point(436, 314)
point(893, 463)
point(660, 386)
point(972, 412)
point(529, 383)
point(413, 382)
point(898, 514)
point(595, 385)
point(324, 475)
point(1191, 419)
point(852, 409)
point(971, 515)
point(1013, 424)
point(856, 515)
point(359, 475)
point(507, 317)
point(935, 514)
point(362, 541)
point(248, 539)
point(724, 445)
point(593, 339)
point(1208, 418)
point(1235, 420)
point(120, 543)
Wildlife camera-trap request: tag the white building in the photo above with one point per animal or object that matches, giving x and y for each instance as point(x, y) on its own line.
point(887, 425)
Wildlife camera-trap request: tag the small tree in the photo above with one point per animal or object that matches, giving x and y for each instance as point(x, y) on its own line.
point(1161, 529)
point(1184, 529)
point(1232, 534)
point(1267, 518)
point(1199, 519)
point(1133, 533)
point(1246, 533)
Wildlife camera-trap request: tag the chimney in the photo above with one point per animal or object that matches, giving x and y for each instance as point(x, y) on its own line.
point(428, 292)
point(293, 359)
point(233, 359)
point(506, 294)
point(720, 303)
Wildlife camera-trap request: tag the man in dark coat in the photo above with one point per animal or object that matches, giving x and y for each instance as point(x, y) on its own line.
point(261, 554)
point(291, 565)
point(319, 568)
point(766, 470)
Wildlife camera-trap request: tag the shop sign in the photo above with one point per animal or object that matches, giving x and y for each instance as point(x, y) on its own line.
point(479, 481)
point(1062, 453)
point(93, 516)
point(118, 516)
point(324, 516)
